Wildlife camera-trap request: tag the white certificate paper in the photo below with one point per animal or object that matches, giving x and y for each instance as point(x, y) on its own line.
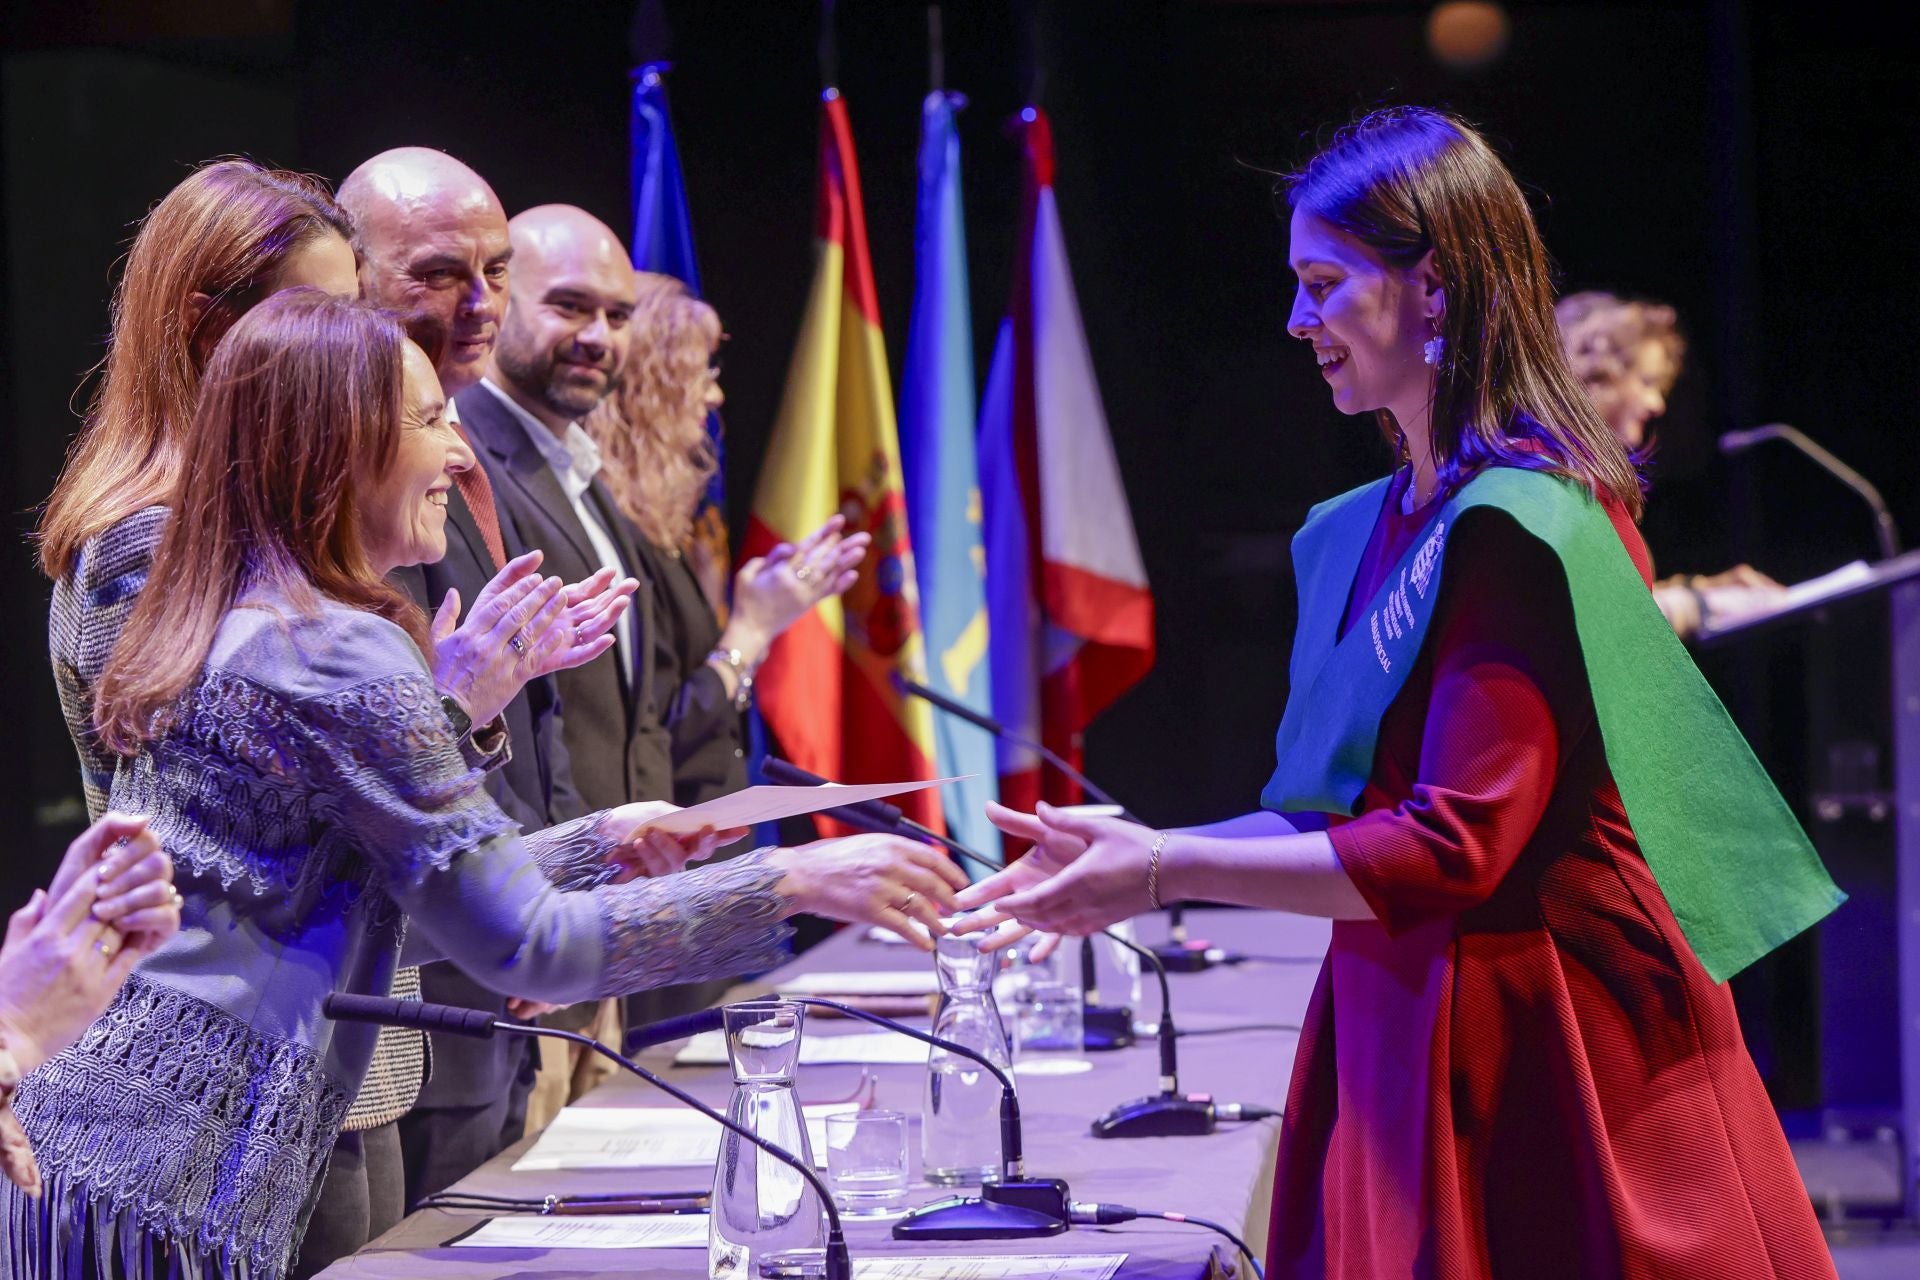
point(769, 804)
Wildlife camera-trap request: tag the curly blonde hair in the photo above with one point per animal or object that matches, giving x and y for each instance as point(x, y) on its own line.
point(1603, 332)
point(652, 431)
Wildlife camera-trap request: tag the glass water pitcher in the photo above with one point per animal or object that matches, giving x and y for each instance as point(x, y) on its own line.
point(766, 1218)
point(960, 1130)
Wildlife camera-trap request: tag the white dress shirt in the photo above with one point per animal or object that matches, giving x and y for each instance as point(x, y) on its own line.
point(575, 460)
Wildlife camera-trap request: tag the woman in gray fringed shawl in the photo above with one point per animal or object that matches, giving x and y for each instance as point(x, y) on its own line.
point(278, 722)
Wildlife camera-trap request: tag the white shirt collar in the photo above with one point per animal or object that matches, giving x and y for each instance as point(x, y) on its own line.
point(574, 457)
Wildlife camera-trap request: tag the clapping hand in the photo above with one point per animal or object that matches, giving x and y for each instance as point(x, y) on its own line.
point(772, 592)
point(522, 626)
point(111, 904)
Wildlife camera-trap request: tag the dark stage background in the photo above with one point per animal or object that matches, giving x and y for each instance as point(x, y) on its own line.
point(1752, 165)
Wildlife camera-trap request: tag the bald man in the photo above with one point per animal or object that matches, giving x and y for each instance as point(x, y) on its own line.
point(433, 246)
point(561, 346)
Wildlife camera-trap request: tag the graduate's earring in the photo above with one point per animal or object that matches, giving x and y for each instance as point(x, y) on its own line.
point(1435, 349)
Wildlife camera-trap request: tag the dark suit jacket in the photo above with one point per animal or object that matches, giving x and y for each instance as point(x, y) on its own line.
point(615, 734)
point(669, 734)
point(707, 734)
point(534, 788)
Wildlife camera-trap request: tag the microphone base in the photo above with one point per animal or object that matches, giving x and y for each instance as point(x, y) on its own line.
point(1162, 1116)
point(1025, 1210)
point(1107, 1028)
point(1188, 957)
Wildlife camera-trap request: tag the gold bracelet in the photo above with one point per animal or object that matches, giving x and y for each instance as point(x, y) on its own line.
point(1153, 870)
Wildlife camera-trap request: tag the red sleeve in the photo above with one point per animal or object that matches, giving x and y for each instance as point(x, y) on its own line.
point(1508, 683)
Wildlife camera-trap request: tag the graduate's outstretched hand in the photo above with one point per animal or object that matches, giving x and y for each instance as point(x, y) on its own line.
point(1060, 839)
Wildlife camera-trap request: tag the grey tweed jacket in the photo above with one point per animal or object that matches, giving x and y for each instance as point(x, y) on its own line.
point(318, 809)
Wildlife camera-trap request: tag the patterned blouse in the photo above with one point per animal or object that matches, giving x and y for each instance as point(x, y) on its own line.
point(320, 813)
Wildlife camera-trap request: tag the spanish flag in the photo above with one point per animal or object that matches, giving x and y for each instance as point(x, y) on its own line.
point(826, 689)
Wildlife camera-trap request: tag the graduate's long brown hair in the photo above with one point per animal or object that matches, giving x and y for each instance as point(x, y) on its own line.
point(225, 232)
point(1407, 180)
point(300, 410)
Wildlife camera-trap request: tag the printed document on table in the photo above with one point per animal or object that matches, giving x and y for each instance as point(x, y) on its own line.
point(769, 804)
point(607, 1231)
point(1086, 1266)
point(644, 1138)
point(868, 982)
point(871, 1048)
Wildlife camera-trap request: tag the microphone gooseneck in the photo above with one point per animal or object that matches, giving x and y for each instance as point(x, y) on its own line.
point(1012, 1159)
point(1885, 531)
point(979, 720)
point(432, 1017)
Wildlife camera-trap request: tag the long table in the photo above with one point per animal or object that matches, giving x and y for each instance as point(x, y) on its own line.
point(1226, 1176)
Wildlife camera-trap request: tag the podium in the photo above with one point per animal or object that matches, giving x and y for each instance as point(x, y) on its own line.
point(1835, 620)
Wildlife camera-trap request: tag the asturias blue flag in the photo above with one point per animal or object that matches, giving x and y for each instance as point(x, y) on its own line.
point(943, 490)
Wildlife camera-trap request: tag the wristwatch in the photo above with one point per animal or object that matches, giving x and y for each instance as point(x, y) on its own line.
point(742, 675)
point(456, 715)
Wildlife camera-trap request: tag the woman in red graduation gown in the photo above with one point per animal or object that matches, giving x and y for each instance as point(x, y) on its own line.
point(1542, 843)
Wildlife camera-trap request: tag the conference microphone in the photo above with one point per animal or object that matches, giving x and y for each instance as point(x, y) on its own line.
point(980, 720)
point(1103, 1027)
point(1168, 1113)
point(1738, 442)
point(481, 1025)
point(1015, 1208)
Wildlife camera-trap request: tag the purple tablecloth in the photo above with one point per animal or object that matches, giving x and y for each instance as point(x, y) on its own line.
point(1226, 1176)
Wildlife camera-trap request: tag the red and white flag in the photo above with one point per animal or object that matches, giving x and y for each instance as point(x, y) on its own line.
point(1070, 612)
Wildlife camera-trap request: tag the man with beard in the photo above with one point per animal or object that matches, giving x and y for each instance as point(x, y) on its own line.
point(561, 347)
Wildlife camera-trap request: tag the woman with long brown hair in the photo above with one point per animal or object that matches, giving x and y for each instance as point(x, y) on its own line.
point(281, 726)
point(1541, 842)
point(230, 234)
point(657, 459)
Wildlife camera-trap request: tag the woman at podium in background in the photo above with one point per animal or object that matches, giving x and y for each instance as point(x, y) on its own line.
point(1542, 843)
point(1627, 354)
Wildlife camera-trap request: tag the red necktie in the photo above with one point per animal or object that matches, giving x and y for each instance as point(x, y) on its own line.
point(478, 491)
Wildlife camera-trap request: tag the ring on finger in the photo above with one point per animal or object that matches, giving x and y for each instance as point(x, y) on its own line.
point(175, 898)
point(578, 638)
point(906, 902)
point(515, 643)
point(803, 573)
point(108, 945)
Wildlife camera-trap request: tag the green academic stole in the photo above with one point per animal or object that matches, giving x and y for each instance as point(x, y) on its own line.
point(1738, 872)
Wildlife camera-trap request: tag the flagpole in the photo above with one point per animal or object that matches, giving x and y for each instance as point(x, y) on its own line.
point(829, 48)
point(936, 51)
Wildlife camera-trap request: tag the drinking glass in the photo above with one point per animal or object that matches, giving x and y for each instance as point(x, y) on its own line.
point(867, 1162)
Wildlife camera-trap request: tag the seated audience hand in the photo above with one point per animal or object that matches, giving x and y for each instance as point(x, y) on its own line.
point(1081, 875)
point(61, 963)
point(873, 879)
